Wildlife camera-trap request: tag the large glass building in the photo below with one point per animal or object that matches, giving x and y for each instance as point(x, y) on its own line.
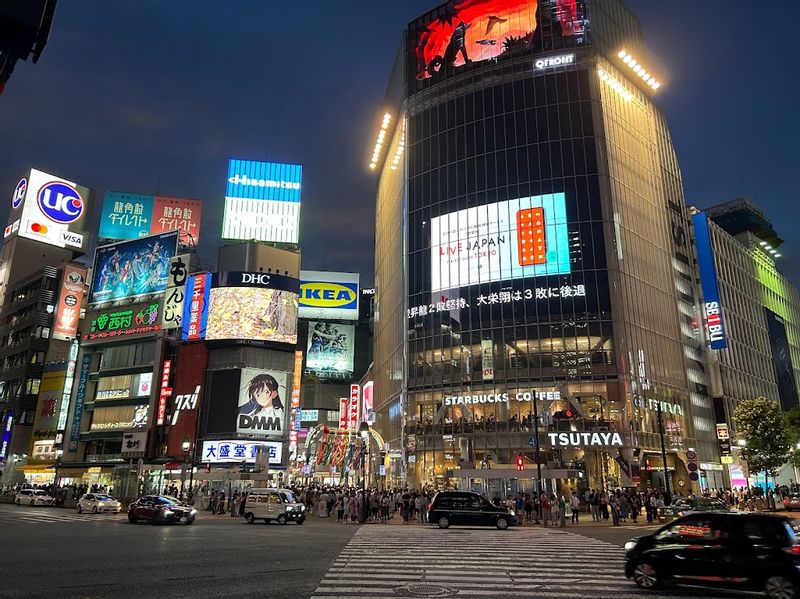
point(534, 265)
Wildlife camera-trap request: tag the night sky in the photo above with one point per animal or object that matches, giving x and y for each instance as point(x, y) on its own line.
point(153, 96)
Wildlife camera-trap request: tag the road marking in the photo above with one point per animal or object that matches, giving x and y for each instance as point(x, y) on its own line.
point(518, 563)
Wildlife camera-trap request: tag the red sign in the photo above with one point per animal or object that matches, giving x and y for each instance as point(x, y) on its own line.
point(165, 393)
point(343, 413)
point(176, 213)
point(355, 395)
point(70, 300)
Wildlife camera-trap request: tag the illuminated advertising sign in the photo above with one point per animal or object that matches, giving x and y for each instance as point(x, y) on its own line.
point(8, 422)
point(553, 61)
point(585, 439)
point(309, 415)
point(482, 398)
point(70, 300)
point(368, 409)
point(119, 418)
point(51, 389)
point(172, 314)
point(132, 321)
point(256, 306)
point(471, 31)
point(63, 411)
point(329, 295)
point(715, 327)
point(330, 348)
point(195, 308)
point(238, 451)
point(343, 409)
point(55, 211)
point(132, 269)
point(524, 237)
point(262, 201)
point(133, 215)
point(296, 414)
point(80, 396)
point(353, 407)
point(261, 410)
point(134, 444)
point(164, 393)
point(487, 359)
point(183, 403)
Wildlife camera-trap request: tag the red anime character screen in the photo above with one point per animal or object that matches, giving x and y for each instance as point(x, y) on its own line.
point(476, 30)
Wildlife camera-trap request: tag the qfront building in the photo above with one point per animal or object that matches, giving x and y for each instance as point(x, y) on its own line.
point(535, 278)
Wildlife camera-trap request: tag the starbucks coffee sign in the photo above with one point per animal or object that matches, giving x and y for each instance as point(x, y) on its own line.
point(585, 439)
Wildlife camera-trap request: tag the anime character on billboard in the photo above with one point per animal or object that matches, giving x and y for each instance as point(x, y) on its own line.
point(131, 269)
point(261, 410)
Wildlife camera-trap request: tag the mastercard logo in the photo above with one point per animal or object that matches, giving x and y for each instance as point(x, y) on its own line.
point(39, 228)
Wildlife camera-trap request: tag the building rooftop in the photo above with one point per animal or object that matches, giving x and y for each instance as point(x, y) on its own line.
point(740, 216)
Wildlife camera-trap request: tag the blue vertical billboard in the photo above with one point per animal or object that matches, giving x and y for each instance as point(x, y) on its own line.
point(712, 307)
point(195, 308)
point(262, 201)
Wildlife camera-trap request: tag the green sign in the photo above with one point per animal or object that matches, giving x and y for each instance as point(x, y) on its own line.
point(125, 322)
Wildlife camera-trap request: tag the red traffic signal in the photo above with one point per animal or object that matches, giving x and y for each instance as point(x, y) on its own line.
point(568, 413)
point(520, 462)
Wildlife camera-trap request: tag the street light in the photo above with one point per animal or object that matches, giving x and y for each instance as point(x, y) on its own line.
point(363, 430)
point(185, 446)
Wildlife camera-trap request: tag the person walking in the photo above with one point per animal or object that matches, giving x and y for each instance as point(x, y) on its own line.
point(575, 504)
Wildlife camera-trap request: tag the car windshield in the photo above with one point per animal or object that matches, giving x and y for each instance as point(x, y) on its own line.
point(39, 493)
point(288, 497)
point(104, 497)
point(168, 501)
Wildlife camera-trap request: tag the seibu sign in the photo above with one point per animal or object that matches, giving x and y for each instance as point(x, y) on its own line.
point(455, 400)
point(585, 439)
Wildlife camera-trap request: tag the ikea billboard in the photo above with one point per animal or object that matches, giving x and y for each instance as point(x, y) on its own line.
point(328, 295)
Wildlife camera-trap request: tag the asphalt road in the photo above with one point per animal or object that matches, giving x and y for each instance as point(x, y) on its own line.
point(48, 552)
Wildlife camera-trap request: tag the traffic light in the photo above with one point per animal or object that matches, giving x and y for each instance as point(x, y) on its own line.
point(568, 413)
point(520, 462)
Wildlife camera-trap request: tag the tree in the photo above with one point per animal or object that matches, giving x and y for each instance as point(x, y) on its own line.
point(793, 428)
point(763, 426)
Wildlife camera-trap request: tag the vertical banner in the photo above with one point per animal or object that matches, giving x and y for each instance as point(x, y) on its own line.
point(80, 396)
point(172, 314)
point(343, 406)
point(195, 308)
point(296, 415)
point(715, 327)
point(368, 405)
point(164, 394)
point(487, 359)
point(352, 417)
point(70, 300)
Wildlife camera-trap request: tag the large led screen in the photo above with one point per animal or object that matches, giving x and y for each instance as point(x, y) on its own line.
point(132, 268)
point(330, 348)
point(132, 215)
point(524, 237)
point(262, 201)
point(261, 410)
point(253, 306)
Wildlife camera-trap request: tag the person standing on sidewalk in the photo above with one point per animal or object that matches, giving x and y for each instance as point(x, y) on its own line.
point(562, 511)
point(594, 503)
point(575, 504)
point(528, 508)
point(544, 506)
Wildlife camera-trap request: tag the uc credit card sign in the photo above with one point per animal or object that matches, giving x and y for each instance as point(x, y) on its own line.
point(523, 237)
point(328, 295)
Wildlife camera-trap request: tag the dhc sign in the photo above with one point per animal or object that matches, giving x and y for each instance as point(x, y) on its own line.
point(328, 295)
point(715, 327)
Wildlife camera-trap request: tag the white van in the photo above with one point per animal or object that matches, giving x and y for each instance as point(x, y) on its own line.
point(273, 504)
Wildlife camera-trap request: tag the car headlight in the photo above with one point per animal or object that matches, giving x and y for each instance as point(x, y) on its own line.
point(289, 508)
point(302, 508)
point(512, 512)
point(192, 512)
point(630, 545)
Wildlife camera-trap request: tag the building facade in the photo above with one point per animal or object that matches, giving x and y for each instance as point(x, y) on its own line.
point(541, 276)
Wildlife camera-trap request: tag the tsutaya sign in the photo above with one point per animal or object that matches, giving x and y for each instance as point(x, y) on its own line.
point(585, 439)
point(454, 400)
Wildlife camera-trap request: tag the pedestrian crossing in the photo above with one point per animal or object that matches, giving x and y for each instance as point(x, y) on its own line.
point(46, 515)
point(382, 561)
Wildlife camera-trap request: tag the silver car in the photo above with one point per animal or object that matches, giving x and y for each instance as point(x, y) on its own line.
point(98, 502)
point(33, 497)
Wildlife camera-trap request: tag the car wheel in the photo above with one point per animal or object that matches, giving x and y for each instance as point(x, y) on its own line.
point(778, 587)
point(31, 503)
point(301, 519)
point(249, 518)
point(79, 509)
point(94, 509)
point(502, 523)
point(190, 521)
point(645, 576)
point(443, 522)
point(281, 519)
point(131, 519)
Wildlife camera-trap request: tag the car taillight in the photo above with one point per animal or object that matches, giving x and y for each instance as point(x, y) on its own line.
point(794, 549)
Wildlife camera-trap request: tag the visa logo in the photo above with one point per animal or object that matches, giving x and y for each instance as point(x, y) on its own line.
point(326, 295)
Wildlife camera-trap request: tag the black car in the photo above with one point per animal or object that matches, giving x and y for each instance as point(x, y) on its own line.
point(738, 551)
point(469, 509)
point(160, 509)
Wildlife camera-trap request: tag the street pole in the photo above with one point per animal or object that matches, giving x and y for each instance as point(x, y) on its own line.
point(536, 448)
point(663, 451)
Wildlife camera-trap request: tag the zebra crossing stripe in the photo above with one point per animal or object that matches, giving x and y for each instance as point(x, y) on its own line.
point(518, 563)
